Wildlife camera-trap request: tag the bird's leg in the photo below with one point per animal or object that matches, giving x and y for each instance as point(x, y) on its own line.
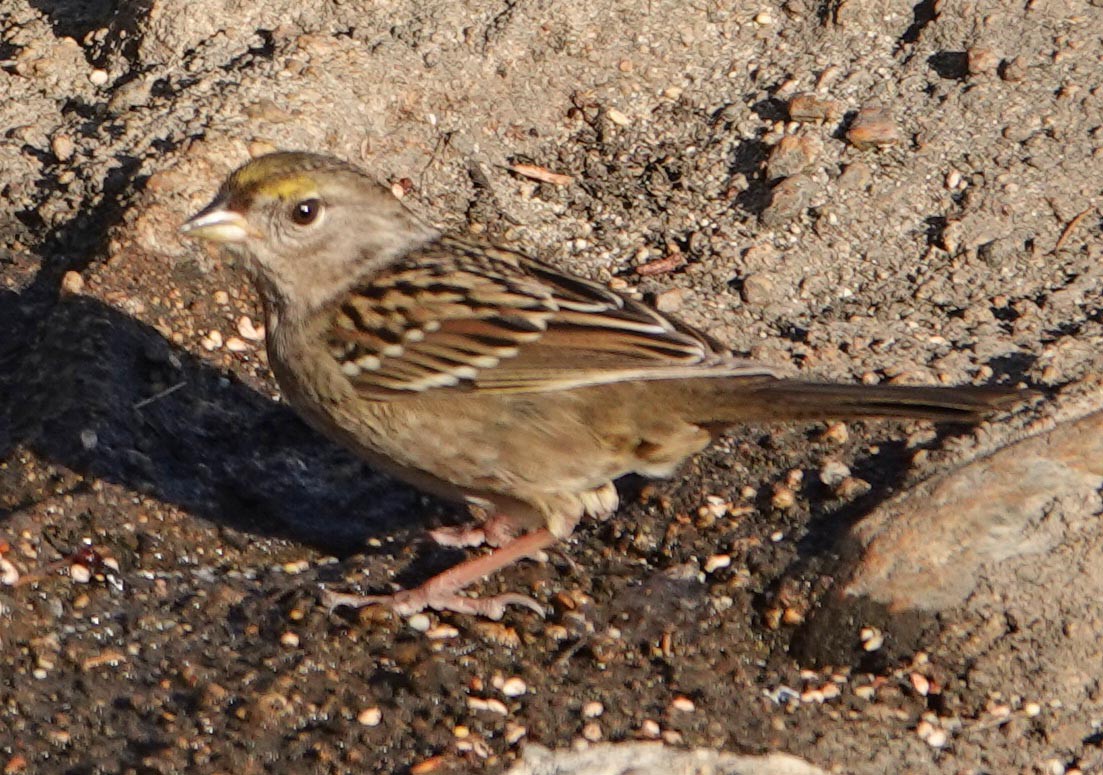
point(441, 592)
point(497, 530)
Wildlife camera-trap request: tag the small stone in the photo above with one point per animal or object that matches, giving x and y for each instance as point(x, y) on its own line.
point(716, 562)
point(248, 331)
point(442, 632)
point(221, 297)
point(62, 146)
point(514, 732)
point(758, 289)
point(1014, 71)
point(617, 117)
point(592, 731)
point(855, 177)
point(370, 717)
point(836, 432)
point(810, 108)
point(212, 341)
point(683, 704)
point(9, 574)
point(852, 487)
point(873, 127)
point(650, 728)
point(788, 199)
point(236, 345)
point(871, 638)
point(289, 640)
point(592, 709)
point(920, 683)
point(80, 573)
point(982, 60)
point(419, 622)
point(259, 148)
point(763, 19)
point(783, 497)
point(792, 155)
point(669, 300)
point(98, 77)
point(866, 692)
point(72, 283)
point(1032, 709)
point(514, 687)
point(833, 472)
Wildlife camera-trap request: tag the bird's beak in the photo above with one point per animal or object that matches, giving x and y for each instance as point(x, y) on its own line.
point(219, 224)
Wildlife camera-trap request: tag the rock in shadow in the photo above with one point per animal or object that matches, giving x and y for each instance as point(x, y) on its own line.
point(86, 387)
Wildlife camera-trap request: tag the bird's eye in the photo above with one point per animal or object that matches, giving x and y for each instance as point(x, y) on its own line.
point(306, 212)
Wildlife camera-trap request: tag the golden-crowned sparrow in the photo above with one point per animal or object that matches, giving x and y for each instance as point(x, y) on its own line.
point(486, 377)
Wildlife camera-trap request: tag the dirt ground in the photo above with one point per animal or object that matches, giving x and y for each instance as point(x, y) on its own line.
point(171, 523)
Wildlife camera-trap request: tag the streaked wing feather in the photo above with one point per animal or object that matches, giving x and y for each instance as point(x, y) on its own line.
point(457, 316)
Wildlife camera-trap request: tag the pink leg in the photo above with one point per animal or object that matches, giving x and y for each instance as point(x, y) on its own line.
point(498, 530)
point(441, 592)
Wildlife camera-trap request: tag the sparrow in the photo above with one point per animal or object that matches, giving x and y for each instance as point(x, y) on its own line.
point(487, 377)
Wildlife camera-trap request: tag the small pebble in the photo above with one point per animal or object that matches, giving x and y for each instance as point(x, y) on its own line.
point(514, 732)
point(650, 728)
point(683, 704)
point(370, 717)
point(810, 108)
point(442, 632)
point(80, 573)
point(62, 146)
point(669, 300)
point(763, 19)
point(618, 118)
point(872, 639)
point(836, 433)
point(592, 709)
point(852, 487)
point(98, 77)
point(212, 341)
point(514, 687)
point(758, 288)
point(289, 640)
point(592, 731)
point(716, 562)
point(9, 574)
point(833, 472)
point(72, 283)
point(419, 622)
point(788, 199)
point(982, 60)
point(783, 498)
point(873, 127)
point(236, 345)
point(221, 297)
point(920, 683)
point(246, 328)
point(864, 692)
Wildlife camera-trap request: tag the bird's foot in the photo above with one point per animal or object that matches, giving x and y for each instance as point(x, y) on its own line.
point(441, 593)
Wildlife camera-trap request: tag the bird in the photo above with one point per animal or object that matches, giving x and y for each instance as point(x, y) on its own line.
point(487, 377)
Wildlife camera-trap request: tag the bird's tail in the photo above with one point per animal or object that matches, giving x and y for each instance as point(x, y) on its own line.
point(742, 399)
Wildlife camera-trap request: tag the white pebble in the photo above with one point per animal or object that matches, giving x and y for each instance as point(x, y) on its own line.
point(249, 331)
point(419, 622)
point(9, 574)
point(98, 77)
point(717, 561)
point(370, 717)
point(289, 639)
point(514, 687)
point(80, 573)
point(592, 709)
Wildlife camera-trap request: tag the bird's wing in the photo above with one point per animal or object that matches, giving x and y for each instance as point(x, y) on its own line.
point(459, 316)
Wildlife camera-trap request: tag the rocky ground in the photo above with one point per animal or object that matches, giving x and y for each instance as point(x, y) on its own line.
point(855, 190)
